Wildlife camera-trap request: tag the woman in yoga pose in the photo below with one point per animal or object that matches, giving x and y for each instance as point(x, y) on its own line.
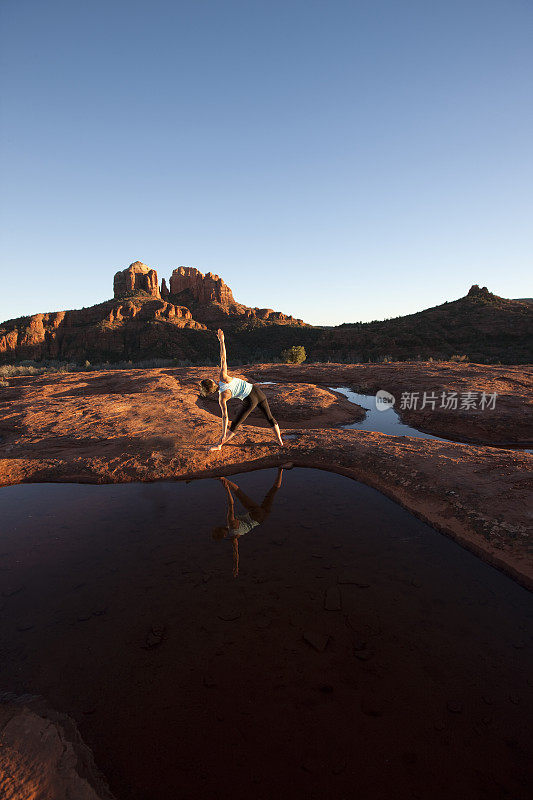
point(252, 397)
point(239, 524)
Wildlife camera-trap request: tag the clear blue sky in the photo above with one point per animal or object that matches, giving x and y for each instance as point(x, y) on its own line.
point(337, 160)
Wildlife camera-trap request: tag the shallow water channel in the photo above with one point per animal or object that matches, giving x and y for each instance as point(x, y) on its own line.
point(358, 652)
point(387, 421)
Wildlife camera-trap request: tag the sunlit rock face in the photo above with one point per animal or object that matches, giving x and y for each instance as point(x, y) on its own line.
point(43, 756)
point(212, 300)
point(137, 277)
point(204, 288)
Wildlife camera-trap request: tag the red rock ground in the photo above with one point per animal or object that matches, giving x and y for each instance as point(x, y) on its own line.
point(146, 425)
point(43, 757)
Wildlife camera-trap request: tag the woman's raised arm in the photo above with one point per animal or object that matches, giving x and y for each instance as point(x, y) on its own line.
point(223, 363)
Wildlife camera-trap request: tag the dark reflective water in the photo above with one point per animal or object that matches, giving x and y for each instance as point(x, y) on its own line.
point(359, 653)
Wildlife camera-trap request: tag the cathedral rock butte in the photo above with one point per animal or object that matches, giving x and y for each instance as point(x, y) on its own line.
point(207, 296)
point(143, 320)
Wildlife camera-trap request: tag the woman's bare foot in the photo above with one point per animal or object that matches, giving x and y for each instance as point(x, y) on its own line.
point(278, 435)
point(215, 448)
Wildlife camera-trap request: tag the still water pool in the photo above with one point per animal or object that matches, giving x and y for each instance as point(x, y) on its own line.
point(357, 652)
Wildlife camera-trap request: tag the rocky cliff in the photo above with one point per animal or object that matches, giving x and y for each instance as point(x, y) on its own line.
point(204, 288)
point(212, 301)
point(42, 754)
point(134, 279)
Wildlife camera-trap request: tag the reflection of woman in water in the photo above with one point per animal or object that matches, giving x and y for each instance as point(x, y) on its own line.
point(239, 524)
point(251, 395)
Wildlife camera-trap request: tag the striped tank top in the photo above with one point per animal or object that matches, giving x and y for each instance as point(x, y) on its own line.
point(246, 523)
point(238, 388)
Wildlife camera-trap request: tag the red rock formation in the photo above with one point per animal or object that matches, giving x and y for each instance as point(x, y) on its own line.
point(156, 309)
point(136, 277)
point(165, 294)
point(42, 754)
point(204, 288)
point(212, 300)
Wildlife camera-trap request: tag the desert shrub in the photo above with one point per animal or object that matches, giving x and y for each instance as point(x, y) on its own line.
point(36, 368)
point(12, 370)
point(3, 383)
point(458, 358)
point(294, 355)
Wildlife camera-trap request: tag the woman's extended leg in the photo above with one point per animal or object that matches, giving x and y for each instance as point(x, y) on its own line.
point(267, 413)
point(266, 505)
point(248, 503)
point(259, 513)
